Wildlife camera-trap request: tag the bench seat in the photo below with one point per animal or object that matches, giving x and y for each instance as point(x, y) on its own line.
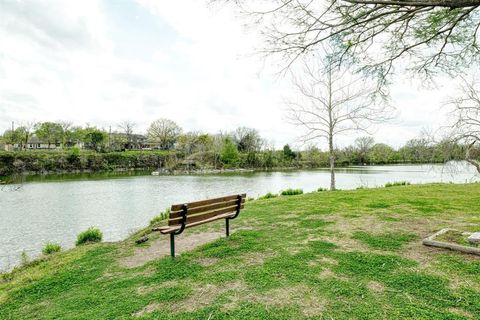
point(187, 215)
point(169, 229)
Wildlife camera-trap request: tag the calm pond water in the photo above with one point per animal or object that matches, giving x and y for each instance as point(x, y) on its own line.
point(58, 208)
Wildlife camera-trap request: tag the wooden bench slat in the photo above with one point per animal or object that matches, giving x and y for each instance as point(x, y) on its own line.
point(204, 216)
point(175, 228)
point(209, 207)
point(195, 204)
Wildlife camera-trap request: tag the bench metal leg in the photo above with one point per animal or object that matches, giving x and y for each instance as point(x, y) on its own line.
point(172, 245)
point(227, 227)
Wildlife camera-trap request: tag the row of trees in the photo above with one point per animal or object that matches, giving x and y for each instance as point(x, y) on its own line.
point(241, 147)
point(54, 133)
point(163, 134)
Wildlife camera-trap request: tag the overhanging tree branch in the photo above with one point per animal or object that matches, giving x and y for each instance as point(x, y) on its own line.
point(428, 36)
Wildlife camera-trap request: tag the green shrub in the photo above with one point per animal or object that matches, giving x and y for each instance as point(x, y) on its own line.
point(160, 217)
point(291, 192)
point(268, 196)
point(24, 259)
point(229, 154)
point(322, 189)
point(92, 234)
point(397, 183)
point(50, 248)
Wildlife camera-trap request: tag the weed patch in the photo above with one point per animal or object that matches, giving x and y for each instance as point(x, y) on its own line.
point(384, 241)
point(90, 235)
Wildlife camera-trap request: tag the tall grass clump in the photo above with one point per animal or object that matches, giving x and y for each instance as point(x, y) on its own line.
point(268, 196)
point(50, 248)
point(160, 217)
point(396, 183)
point(92, 234)
point(291, 192)
point(24, 259)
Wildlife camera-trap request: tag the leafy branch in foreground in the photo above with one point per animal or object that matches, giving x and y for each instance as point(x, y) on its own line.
point(425, 36)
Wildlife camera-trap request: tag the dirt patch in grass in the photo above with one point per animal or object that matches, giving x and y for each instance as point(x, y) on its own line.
point(161, 247)
point(126, 275)
point(256, 258)
point(323, 261)
point(327, 260)
point(144, 290)
point(148, 309)
point(421, 226)
point(345, 243)
point(206, 294)
point(327, 273)
point(460, 312)
point(416, 251)
point(202, 296)
point(204, 261)
point(376, 287)
point(310, 304)
point(286, 224)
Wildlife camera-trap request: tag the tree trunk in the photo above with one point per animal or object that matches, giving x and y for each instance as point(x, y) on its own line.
point(331, 157)
point(473, 162)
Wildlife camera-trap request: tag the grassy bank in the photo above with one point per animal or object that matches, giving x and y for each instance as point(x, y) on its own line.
point(328, 255)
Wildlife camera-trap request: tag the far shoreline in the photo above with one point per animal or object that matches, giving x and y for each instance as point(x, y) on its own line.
point(61, 175)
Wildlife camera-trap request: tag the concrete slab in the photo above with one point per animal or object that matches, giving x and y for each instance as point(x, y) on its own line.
point(474, 238)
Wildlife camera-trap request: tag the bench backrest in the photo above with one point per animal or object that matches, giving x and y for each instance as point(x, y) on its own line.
point(199, 212)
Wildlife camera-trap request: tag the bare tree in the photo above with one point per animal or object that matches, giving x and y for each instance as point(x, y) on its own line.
point(363, 146)
point(332, 102)
point(23, 133)
point(247, 139)
point(164, 132)
point(466, 125)
point(127, 128)
point(66, 126)
point(434, 35)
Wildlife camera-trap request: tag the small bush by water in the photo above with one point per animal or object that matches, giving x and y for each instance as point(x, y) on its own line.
point(50, 248)
point(268, 196)
point(291, 192)
point(92, 234)
point(24, 259)
point(160, 217)
point(397, 183)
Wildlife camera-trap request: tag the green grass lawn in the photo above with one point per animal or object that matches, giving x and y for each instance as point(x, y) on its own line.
point(325, 255)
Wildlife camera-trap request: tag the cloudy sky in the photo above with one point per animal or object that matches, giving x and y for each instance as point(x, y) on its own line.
point(103, 62)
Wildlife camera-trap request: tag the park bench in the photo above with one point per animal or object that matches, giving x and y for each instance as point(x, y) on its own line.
point(192, 214)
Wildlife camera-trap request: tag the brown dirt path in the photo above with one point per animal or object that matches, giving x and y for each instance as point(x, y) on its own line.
point(161, 247)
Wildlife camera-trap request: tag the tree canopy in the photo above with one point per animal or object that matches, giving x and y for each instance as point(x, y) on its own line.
point(423, 36)
point(165, 132)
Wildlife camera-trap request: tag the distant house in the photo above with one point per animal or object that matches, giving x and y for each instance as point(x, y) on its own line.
point(139, 142)
point(35, 143)
point(120, 141)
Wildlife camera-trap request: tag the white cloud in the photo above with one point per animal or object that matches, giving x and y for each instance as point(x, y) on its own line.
point(63, 60)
